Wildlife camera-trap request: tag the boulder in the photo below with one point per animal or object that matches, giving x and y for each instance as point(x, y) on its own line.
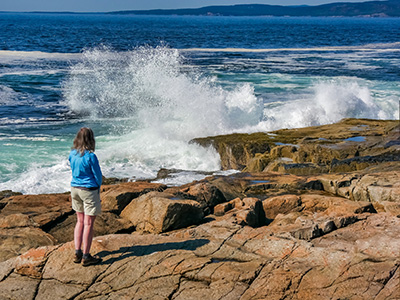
point(17, 220)
point(206, 194)
point(160, 212)
point(309, 216)
point(282, 205)
point(115, 198)
point(258, 163)
point(248, 211)
point(15, 241)
point(43, 210)
point(222, 208)
point(374, 186)
point(258, 185)
point(31, 263)
point(105, 223)
point(377, 187)
point(230, 186)
point(25, 219)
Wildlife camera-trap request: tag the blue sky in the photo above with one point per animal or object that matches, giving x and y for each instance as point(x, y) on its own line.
point(112, 5)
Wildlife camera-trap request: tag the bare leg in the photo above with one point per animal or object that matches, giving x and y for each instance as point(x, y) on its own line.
point(78, 232)
point(88, 233)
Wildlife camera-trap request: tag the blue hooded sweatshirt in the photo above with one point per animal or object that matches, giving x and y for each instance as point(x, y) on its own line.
point(85, 168)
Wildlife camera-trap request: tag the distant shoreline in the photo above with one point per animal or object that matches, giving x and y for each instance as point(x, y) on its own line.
point(369, 9)
point(175, 15)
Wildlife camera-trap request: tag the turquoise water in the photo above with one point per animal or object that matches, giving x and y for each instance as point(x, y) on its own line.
point(148, 85)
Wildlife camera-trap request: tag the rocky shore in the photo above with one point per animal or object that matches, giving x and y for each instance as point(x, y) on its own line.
point(313, 214)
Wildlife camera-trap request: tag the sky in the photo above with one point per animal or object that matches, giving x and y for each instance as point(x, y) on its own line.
point(115, 5)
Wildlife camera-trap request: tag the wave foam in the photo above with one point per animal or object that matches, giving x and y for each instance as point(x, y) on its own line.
point(7, 95)
point(7, 55)
point(149, 103)
point(328, 102)
point(39, 179)
point(156, 89)
point(378, 47)
point(165, 103)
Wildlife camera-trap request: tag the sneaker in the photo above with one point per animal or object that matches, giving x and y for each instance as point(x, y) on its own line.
point(91, 260)
point(78, 258)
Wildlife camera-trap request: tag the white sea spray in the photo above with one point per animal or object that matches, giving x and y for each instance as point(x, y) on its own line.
point(148, 103)
point(155, 104)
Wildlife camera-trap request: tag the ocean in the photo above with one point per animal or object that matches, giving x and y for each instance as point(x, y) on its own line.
point(147, 85)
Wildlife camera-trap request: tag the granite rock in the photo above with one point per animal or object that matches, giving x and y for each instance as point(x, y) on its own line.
point(159, 212)
point(114, 198)
point(218, 260)
point(318, 217)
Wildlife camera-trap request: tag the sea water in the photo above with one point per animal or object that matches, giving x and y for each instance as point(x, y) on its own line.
point(148, 85)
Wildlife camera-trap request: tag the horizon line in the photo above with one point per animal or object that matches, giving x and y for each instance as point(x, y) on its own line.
point(192, 8)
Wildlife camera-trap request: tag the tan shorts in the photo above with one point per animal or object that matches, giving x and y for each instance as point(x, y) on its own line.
point(87, 202)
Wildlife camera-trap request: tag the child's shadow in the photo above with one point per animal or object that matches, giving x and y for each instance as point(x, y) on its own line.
point(141, 250)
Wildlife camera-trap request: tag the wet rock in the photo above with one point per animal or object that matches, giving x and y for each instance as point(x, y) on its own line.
point(362, 162)
point(166, 173)
point(113, 180)
point(237, 149)
point(348, 145)
point(7, 194)
point(284, 151)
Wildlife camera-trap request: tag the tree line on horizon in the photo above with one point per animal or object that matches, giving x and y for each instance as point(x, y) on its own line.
point(390, 8)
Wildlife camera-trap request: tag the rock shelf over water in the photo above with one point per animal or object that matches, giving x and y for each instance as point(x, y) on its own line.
point(314, 214)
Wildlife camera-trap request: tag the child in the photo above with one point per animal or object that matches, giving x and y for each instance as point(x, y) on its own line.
point(85, 193)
